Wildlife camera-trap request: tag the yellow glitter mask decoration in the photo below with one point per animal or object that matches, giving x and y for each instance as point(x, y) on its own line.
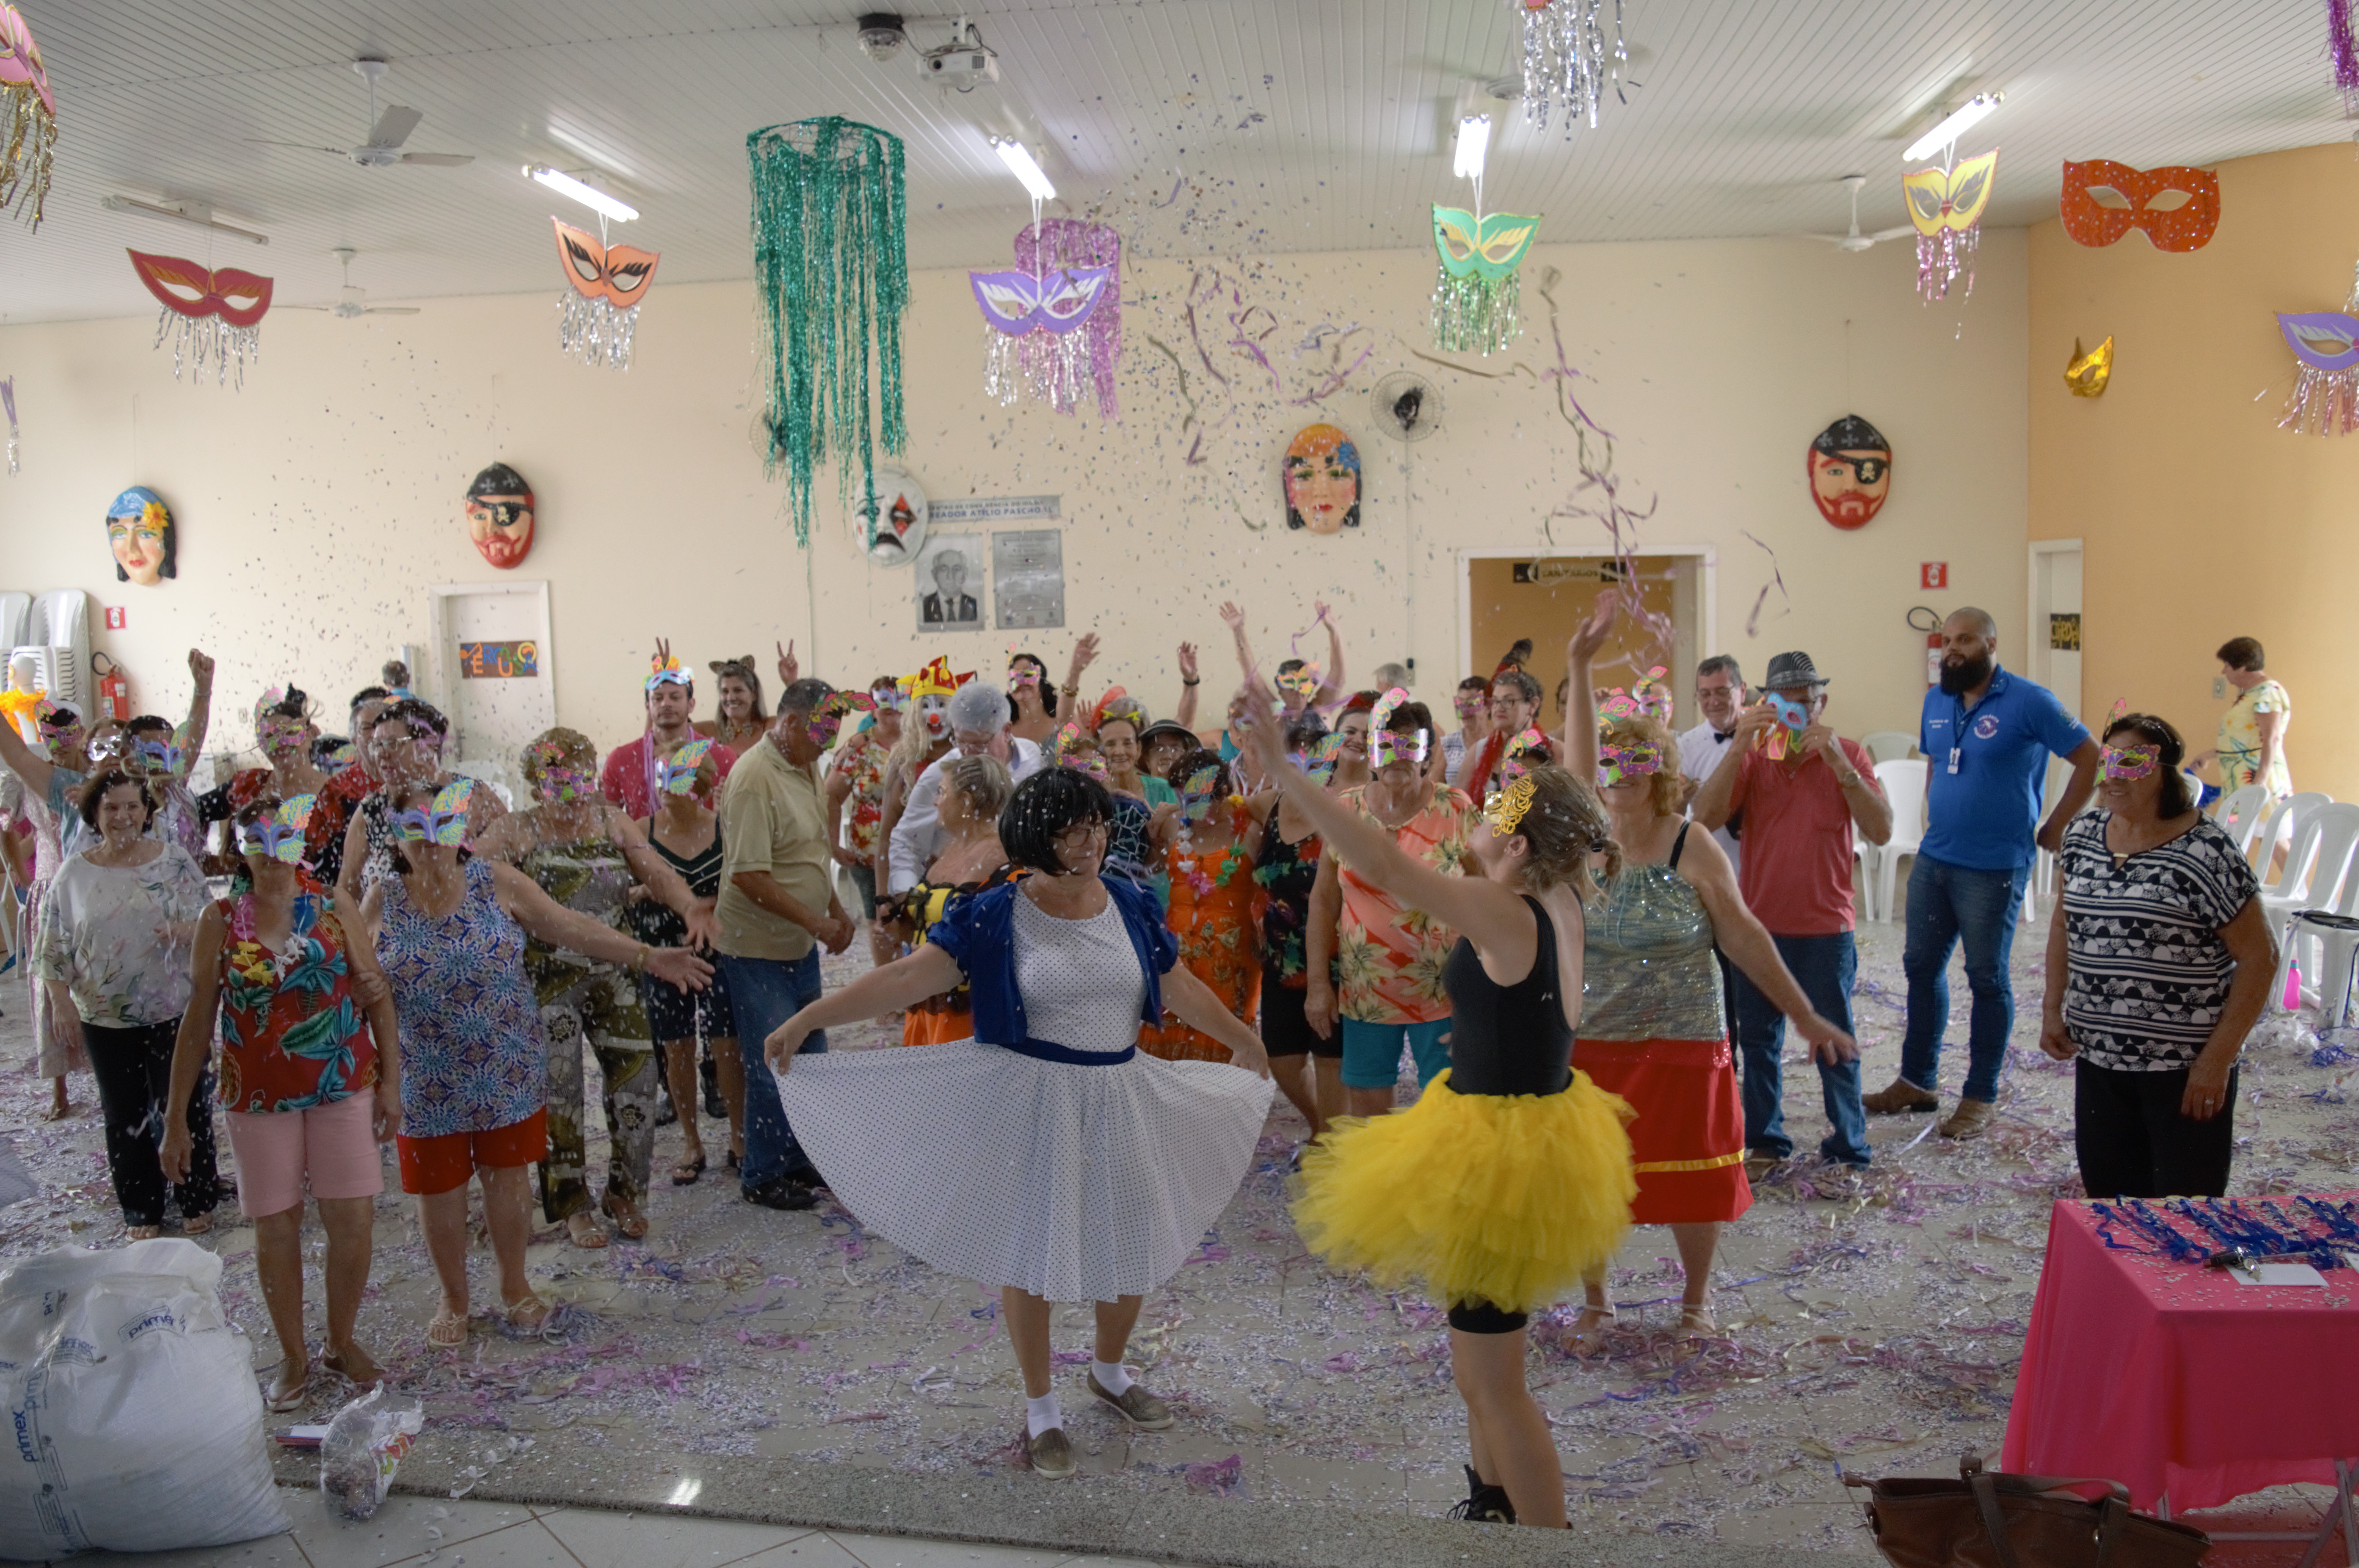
point(1507, 807)
point(2087, 374)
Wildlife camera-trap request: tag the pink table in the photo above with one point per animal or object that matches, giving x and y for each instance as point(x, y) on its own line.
point(2176, 1380)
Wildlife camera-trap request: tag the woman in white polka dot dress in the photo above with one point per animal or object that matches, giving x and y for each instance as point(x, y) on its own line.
point(1046, 1155)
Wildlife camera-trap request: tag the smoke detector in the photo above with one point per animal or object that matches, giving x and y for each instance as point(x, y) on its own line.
point(882, 35)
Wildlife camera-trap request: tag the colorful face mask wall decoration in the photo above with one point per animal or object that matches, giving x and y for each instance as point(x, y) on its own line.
point(2325, 396)
point(279, 835)
point(444, 821)
point(28, 119)
point(2086, 374)
point(2188, 226)
point(1850, 465)
point(213, 313)
point(1322, 480)
point(139, 531)
point(1053, 323)
point(599, 315)
point(500, 516)
point(1946, 206)
point(680, 771)
point(1477, 299)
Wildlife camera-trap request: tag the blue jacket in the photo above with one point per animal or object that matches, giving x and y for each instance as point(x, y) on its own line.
point(980, 933)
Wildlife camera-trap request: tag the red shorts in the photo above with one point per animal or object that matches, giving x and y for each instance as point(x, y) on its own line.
point(437, 1164)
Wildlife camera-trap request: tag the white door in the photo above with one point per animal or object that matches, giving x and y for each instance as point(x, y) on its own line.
point(492, 663)
point(2056, 623)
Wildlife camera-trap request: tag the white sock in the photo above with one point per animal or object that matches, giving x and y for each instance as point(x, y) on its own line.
point(1043, 1413)
point(1112, 1377)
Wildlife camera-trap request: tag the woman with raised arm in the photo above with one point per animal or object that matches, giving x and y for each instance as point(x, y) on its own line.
point(1047, 1155)
point(42, 787)
point(1655, 1029)
point(1509, 1180)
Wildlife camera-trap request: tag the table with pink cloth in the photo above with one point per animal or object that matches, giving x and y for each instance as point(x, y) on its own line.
point(2174, 1378)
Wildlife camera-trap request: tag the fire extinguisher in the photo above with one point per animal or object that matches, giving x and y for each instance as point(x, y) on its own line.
point(1932, 627)
point(113, 687)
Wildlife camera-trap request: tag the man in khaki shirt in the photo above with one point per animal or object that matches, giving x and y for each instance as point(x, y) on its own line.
point(777, 907)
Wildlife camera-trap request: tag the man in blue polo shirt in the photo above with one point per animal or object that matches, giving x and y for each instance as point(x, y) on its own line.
point(1986, 736)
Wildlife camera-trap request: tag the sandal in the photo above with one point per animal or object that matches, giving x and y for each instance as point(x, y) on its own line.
point(629, 1223)
point(582, 1230)
point(1697, 1323)
point(333, 1360)
point(197, 1223)
point(528, 1311)
point(684, 1173)
point(448, 1331)
point(142, 1232)
point(1588, 1335)
point(280, 1399)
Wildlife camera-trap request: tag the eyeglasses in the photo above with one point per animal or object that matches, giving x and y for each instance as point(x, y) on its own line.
point(1080, 833)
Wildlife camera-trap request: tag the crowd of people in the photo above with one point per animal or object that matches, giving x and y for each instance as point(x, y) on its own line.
point(1113, 938)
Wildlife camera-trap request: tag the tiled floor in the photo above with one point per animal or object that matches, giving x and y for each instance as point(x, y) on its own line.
point(423, 1533)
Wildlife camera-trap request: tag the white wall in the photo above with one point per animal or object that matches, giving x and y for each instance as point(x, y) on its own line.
point(316, 505)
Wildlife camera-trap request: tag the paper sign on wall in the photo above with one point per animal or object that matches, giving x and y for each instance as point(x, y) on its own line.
point(498, 661)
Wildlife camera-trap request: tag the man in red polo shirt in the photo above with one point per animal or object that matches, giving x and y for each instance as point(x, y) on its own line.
point(629, 777)
point(1803, 790)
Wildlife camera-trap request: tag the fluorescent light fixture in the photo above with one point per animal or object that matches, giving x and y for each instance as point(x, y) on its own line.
point(590, 196)
point(1473, 146)
point(1019, 159)
point(1958, 122)
point(195, 215)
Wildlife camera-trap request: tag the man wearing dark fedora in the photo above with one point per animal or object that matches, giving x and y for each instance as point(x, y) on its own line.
point(1803, 791)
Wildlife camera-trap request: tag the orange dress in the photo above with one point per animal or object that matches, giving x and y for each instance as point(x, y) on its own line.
point(1216, 914)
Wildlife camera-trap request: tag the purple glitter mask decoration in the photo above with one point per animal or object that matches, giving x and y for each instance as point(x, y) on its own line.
point(2327, 339)
point(444, 820)
point(157, 758)
point(2130, 762)
point(279, 835)
point(1054, 321)
point(2325, 396)
point(1017, 302)
point(563, 785)
point(1624, 765)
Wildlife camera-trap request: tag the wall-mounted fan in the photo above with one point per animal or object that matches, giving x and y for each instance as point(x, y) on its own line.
point(386, 133)
point(1406, 407)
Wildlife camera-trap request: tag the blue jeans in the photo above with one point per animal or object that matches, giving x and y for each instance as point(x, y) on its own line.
point(1824, 967)
point(1947, 903)
point(766, 992)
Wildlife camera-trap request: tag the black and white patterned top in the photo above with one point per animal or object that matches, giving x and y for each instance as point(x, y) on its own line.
point(2149, 973)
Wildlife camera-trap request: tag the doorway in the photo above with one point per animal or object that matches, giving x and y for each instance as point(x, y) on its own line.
point(2056, 619)
point(1504, 596)
point(492, 672)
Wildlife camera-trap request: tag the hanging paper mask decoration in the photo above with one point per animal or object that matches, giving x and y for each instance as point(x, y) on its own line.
point(217, 312)
point(1056, 315)
point(1567, 58)
point(1477, 299)
point(8, 400)
point(139, 531)
point(1851, 472)
point(1947, 205)
point(2325, 398)
point(2085, 375)
point(598, 316)
point(832, 270)
point(444, 821)
point(1322, 480)
point(500, 516)
point(279, 835)
point(2186, 227)
point(28, 119)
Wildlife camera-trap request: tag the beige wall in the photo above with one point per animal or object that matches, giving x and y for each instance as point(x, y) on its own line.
point(2201, 520)
point(316, 504)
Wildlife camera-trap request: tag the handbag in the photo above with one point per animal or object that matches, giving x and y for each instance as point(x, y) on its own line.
point(1985, 1520)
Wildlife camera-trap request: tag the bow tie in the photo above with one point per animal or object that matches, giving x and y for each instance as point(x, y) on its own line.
point(1722, 736)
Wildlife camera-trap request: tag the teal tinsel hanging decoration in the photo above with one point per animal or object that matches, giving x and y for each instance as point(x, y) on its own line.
point(831, 267)
point(1476, 315)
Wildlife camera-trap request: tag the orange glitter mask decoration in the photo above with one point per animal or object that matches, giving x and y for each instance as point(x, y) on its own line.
point(2185, 227)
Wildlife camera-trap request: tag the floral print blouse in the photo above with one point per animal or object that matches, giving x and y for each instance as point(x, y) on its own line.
point(1388, 959)
point(119, 937)
point(862, 762)
point(291, 1030)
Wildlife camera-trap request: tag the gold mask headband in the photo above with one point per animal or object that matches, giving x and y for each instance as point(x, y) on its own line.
point(1507, 807)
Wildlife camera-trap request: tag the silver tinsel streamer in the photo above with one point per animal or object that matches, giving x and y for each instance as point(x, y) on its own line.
point(2325, 402)
point(594, 332)
point(209, 338)
point(1942, 258)
point(1054, 367)
point(1567, 57)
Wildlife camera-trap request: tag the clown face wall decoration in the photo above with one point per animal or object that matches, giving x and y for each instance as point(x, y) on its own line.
point(892, 517)
point(499, 516)
point(1322, 480)
point(139, 531)
point(1851, 472)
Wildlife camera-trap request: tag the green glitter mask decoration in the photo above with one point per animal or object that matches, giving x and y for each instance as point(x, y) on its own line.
point(1477, 301)
point(831, 267)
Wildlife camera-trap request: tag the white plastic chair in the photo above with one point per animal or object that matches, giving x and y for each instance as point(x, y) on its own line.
point(2043, 864)
point(1904, 788)
point(2239, 813)
point(2280, 823)
point(1889, 745)
point(2315, 867)
point(61, 620)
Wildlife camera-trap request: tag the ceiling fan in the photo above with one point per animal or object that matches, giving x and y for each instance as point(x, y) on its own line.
point(353, 303)
point(1855, 241)
point(386, 133)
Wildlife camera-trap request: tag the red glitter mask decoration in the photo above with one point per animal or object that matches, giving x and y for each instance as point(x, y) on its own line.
point(2186, 227)
point(220, 311)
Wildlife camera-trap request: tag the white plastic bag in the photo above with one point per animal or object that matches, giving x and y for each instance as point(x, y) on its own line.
point(364, 1443)
point(133, 1422)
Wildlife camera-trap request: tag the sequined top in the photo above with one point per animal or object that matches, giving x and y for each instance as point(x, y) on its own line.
point(1648, 972)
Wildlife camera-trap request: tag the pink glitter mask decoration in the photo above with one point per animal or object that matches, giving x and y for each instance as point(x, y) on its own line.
point(1648, 697)
point(1626, 765)
point(563, 785)
point(1388, 748)
point(1524, 752)
point(2130, 762)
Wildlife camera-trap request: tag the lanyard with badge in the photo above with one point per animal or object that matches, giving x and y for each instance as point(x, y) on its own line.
point(1957, 737)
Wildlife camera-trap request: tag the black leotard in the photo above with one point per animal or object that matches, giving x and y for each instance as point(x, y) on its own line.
point(1508, 1040)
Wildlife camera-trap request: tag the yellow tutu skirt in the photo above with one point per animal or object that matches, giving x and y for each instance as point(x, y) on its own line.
point(1508, 1199)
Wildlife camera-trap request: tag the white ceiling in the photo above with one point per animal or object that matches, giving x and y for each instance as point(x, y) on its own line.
point(1224, 126)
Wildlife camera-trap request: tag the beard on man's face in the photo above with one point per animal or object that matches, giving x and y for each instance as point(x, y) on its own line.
point(1964, 677)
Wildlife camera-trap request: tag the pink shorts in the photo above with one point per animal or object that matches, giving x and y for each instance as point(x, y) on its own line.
point(334, 1147)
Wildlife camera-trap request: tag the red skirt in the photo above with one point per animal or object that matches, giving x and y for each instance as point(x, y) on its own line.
point(1687, 1146)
